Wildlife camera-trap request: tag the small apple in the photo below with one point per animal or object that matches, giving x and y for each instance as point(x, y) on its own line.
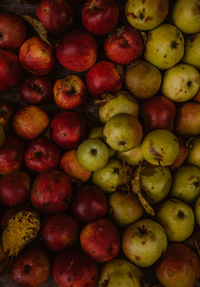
point(192, 55)
point(194, 152)
point(183, 153)
point(132, 157)
point(6, 113)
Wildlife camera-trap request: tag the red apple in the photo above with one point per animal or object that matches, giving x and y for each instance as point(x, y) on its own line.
point(30, 121)
point(36, 89)
point(55, 15)
point(100, 239)
point(36, 56)
point(102, 78)
point(183, 152)
point(77, 51)
point(158, 112)
point(124, 45)
point(69, 92)
point(6, 112)
point(14, 188)
point(11, 72)
point(51, 192)
point(72, 268)
point(68, 129)
point(41, 154)
point(7, 215)
point(100, 17)
point(59, 232)
point(89, 203)
point(31, 268)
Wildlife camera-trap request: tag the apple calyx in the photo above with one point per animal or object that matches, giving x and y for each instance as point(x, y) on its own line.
point(181, 214)
point(27, 268)
point(142, 229)
point(36, 88)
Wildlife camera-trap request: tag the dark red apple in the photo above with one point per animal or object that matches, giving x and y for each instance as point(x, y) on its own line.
point(72, 268)
point(59, 232)
point(51, 192)
point(11, 72)
point(55, 15)
point(36, 89)
point(89, 203)
point(183, 152)
point(124, 45)
point(100, 17)
point(6, 112)
point(102, 78)
point(100, 239)
point(77, 51)
point(158, 112)
point(31, 268)
point(68, 129)
point(69, 92)
point(36, 56)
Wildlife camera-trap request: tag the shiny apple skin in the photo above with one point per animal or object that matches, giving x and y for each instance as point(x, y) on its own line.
point(6, 113)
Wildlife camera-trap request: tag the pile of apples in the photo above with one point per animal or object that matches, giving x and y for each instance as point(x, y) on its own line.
point(108, 154)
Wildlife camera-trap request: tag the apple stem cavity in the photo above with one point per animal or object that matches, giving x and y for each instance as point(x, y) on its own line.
point(93, 151)
point(36, 88)
point(142, 230)
point(180, 214)
point(27, 268)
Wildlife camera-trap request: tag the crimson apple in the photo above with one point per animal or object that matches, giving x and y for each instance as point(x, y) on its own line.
point(68, 128)
point(89, 203)
point(41, 154)
point(183, 152)
point(100, 17)
point(51, 192)
point(6, 112)
point(77, 51)
point(36, 56)
point(124, 45)
point(55, 15)
point(36, 89)
point(102, 78)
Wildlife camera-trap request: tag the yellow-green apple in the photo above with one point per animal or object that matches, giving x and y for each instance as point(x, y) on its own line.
point(133, 157)
point(194, 152)
point(192, 54)
point(183, 153)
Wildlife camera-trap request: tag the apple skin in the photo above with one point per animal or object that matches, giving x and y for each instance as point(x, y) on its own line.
point(36, 56)
point(158, 112)
point(72, 268)
point(51, 192)
point(36, 90)
point(56, 15)
point(100, 17)
point(89, 203)
point(31, 268)
point(30, 121)
point(59, 232)
point(124, 45)
point(179, 267)
point(41, 154)
point(69, 92)
point(100, 239)
point(97, 79)
point(68, 129)
point(76, 57)
point(12, 30)
point(183, 153)
point(11, 72)
point(6, 112)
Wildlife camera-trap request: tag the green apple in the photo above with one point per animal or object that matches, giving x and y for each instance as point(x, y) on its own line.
point(164, 47)
point(186, 183)
point(181, 83)
point(192, 51)
point(197, 210)
point(186, 16)
point(143, 242)
point(194, 152)
point(177, 218)
point(160, 147)
point(133, 157)
point(123, 132)
point(92, 154)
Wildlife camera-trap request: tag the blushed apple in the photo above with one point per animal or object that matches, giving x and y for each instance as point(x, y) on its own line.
point(133, 157)
point(182, 155)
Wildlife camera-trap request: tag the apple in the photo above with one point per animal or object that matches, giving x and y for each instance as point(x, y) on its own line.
point(72, 268)
point(41, 154)
point(76, 57)
point(68, 129)
point(177, 218)
point(30, 121)
point(13, 30)
point(158, 112)
point(100, 17)
point(8, 214)
point(69, 92)
point(193, 154)
point(192, 55)
point(36, 89)
point(36, 56)
point(6, 113)
point(97, 79)
point(56, 15)
point(179, 267)
point(124, 45)
point(100, 240)
point(89, 203)
point(143, 242)
point(31, 268)
point(132, 157)
point(183, 153)
point(51, 192)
